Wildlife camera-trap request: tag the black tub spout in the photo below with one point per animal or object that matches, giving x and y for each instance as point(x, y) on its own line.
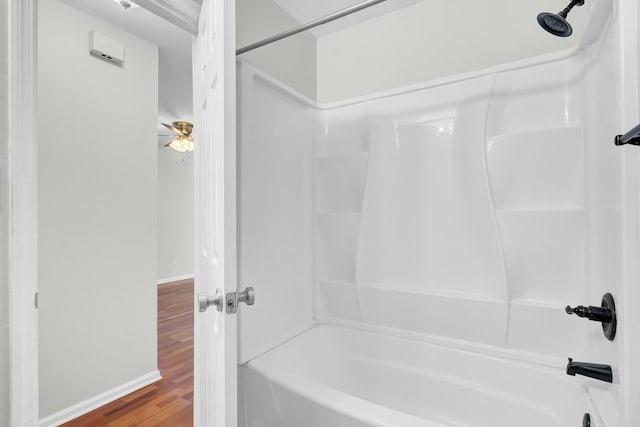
point(591, 370)
point(632, 137)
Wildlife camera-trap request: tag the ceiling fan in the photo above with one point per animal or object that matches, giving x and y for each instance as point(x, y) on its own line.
point(182, 141)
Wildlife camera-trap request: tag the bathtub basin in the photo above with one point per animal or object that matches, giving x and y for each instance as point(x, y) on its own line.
point(331, 376)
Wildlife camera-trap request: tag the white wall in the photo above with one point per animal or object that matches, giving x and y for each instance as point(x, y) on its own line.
point(97, 208)
point(433, 39)
point(175, 214)
point(4, 219)
point(292, 61)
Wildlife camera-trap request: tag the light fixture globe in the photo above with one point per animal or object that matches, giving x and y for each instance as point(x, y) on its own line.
point(183, 141)
point(182, 144)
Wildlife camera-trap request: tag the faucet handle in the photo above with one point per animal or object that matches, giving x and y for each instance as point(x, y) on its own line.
point(597, 314)
point(578, 310)
point(605, 314)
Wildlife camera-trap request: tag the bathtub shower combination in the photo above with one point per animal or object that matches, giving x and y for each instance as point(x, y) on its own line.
point(413, 252)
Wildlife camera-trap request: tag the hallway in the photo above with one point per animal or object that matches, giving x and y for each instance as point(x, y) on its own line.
point(169, 402)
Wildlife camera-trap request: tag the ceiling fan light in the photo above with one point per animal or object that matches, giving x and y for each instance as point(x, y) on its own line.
point(183, 141)
point(182, 144)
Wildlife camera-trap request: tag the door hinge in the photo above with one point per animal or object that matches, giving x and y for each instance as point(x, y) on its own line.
point(35, 301)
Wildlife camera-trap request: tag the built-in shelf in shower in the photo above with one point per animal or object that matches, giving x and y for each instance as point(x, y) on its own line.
point(552, 305)
point(338, 213)
point(541, 210)
point(461, 317)
point(337, 282)
point(341, 178)
point(564, 133)
point(343, 156)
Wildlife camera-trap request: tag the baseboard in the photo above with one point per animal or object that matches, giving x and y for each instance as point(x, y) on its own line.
point(97, 401)
point(175, 279)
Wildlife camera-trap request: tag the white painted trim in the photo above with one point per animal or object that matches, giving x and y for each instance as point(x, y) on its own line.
point(629, 318)
point(23, 213)
point(175, 279)
point(99, 400)
point(182, 13)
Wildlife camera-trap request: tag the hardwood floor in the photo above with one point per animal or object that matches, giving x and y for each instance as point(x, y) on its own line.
point(168, 402)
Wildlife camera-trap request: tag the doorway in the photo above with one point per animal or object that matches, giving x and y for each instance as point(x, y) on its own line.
point(101, 220)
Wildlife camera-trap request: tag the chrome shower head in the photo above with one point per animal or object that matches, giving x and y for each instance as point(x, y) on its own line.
point(557, 24)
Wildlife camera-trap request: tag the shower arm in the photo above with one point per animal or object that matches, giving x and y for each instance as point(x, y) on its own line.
point(309, 25)
point(565, 12)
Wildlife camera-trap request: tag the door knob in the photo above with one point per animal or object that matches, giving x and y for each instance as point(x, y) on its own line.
point(205, 301)
point(248, 296)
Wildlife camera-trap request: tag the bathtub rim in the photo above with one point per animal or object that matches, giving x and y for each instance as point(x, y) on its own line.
point(296, 382)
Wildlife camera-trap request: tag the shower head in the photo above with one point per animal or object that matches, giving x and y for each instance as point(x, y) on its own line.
point(557, 24)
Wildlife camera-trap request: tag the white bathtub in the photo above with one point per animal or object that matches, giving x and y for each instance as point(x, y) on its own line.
point(338, 377)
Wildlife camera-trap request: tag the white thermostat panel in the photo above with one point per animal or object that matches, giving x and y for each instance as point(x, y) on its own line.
point(106, 48)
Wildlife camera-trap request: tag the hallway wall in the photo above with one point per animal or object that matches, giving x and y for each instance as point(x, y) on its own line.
point(175, 214)
point(97, 208)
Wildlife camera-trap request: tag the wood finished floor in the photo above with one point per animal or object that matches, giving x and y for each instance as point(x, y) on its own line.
point(168, 402)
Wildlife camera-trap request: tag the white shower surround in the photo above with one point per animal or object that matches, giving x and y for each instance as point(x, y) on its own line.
point(354, 216)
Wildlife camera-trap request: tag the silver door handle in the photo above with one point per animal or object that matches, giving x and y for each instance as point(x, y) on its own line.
point(204, 301)
point(248, 296)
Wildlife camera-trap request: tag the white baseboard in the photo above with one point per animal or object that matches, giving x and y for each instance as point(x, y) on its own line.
point(97, 401)
point(175, 279)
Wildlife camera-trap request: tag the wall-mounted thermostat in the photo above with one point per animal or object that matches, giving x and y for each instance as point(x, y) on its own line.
point(106, 48)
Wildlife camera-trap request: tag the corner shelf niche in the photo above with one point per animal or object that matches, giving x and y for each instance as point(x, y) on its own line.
point(340, 188)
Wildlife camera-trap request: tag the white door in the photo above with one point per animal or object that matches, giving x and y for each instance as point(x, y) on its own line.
point(215, 368)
